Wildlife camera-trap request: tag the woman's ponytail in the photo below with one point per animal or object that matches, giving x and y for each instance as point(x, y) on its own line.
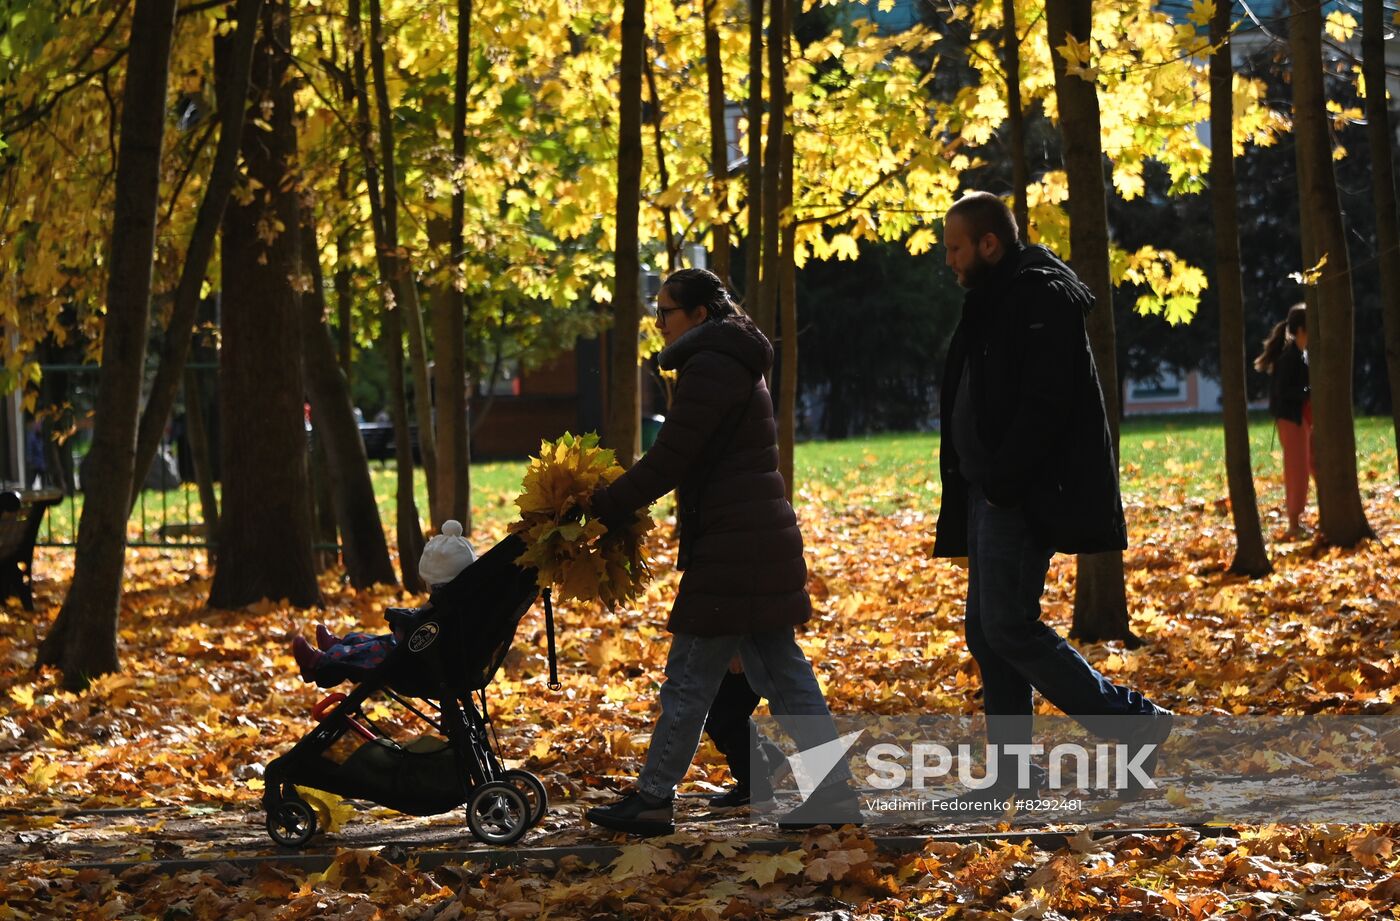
point(1283, 332)
point(1273, 348)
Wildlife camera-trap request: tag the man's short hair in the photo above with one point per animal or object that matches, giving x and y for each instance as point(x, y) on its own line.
point(986, 213)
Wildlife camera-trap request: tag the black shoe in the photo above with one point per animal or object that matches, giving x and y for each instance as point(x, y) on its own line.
point(733, 798)
point(998, 799)
point(637, 814)
point(991, 803)
point(835, 807)
point(1158, 729)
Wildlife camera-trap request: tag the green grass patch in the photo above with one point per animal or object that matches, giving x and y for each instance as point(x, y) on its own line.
point(1166, 459)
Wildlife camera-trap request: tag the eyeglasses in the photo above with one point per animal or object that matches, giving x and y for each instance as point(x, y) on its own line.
point(660, 313)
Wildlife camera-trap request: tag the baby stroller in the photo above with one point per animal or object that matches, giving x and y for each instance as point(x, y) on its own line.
point(451, 651)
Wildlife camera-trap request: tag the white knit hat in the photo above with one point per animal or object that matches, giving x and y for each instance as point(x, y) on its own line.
point(446, 554)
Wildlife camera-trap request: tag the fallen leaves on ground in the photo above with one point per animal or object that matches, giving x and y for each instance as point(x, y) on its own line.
point(206, 698)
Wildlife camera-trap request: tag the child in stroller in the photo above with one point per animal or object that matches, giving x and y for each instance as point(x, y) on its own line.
point(334, 659)
point(447, 653)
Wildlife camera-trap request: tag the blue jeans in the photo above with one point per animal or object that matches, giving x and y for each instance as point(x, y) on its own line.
point(776, 669)
point(1015, 651)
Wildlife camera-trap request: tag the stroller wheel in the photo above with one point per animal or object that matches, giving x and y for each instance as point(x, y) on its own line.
point(532, 789)
point(291, 823)
point(497, 813)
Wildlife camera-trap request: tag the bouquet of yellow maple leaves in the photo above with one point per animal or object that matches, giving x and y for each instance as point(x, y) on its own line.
point(573, 551)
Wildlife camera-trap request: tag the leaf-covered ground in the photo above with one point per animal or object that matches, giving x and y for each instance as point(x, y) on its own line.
point(207, 697)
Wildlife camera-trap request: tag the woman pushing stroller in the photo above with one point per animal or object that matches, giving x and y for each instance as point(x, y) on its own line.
point(743, 588)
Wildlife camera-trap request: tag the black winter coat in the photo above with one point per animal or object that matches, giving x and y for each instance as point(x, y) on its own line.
point(745, 572)
point(1289, 385)
point(1038, 408)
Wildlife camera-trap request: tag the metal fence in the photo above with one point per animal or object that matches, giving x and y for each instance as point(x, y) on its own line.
point(168, 511)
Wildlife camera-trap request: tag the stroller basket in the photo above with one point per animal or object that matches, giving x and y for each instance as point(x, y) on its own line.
point(450, 652)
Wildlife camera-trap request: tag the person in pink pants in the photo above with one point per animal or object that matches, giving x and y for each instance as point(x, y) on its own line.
point(1285, 360)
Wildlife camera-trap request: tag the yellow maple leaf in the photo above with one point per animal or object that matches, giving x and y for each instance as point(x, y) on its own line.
point(642, 860)
point(765, 868)
point(1312, 275)
point(1340, 25)
point(1077, 55)
point(332, 812)
point(834, 865)
point(1202, 12)
point(41, 775)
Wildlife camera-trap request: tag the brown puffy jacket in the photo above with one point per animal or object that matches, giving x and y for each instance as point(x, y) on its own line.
point(745, 572)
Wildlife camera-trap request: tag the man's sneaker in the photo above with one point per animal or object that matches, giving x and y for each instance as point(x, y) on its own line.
point(998, 799)
point(733, 798)
point(836, 805)
point(993, 802)
point(1157, 729)
point(637, 814)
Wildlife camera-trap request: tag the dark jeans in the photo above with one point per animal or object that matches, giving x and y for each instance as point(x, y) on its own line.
point(1017, 653)
point(728, 723)
point(696, 667)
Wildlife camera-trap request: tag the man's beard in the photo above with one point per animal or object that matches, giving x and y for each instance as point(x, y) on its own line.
point(977, 274)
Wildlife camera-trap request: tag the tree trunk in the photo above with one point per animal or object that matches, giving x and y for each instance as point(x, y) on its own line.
point(1331, 322)
point(454, 422)
point(233, 97)
point(1016, 118)
point(265, 529)
point(344, 313)
point(1251, 558)
point(658, 115)
point(787, 325)
point(719, 145)
point(624, 378)
point(363, 547)
point(197, 430)
point(1383, 179)
point(405, 285)
point(407, 527)
point(323, 529)
point(450, 385)
point(83, 639)
point(753, 236)
point(1100, 598)
point(343, 282)
point(770, 281)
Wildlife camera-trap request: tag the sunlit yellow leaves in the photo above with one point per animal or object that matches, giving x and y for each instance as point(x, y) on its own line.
point(1174, 287)
point(23, 695)
point(1340, 25)
point(570, 549)
point(1255, 122)
point(921, 241)
point(41, 775)
point(1077, 56)
point(1202, 11)
point(1310, 276)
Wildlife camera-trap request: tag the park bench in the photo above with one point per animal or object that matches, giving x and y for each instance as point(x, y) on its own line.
point(21, 513)
point(379, 440)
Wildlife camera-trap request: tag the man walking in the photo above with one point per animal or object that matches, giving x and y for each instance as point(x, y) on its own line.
point(1028, 470)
